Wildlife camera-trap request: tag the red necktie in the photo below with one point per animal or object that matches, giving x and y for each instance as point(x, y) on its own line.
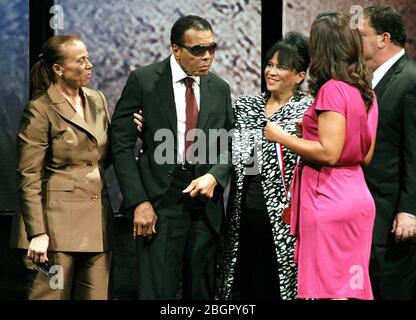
point(191, 114)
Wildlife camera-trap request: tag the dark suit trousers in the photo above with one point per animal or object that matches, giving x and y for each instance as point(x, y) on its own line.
point(393, 271)
point(256, 274)
point(179, 261)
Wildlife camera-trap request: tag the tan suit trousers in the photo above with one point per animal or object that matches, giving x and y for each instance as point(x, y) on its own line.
point(74, 275)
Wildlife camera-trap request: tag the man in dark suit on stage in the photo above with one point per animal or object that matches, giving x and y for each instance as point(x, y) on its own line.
point(174, 194)
point(391, 176)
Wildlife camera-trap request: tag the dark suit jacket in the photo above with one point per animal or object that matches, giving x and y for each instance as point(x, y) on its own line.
point(150, 89)
point(391, 175)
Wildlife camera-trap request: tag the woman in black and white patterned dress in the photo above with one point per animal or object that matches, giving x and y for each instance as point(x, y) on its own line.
point(258, 257)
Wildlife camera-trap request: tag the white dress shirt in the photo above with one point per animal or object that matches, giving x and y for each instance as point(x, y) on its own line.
point(179, 89)
point(382, 70)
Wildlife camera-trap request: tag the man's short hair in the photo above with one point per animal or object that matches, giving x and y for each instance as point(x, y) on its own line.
point(183, 24)
point(384, 18)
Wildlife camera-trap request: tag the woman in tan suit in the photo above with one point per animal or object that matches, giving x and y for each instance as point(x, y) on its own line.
point(62, 146)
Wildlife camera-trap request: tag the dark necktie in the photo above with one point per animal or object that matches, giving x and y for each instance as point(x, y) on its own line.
point(191, 114)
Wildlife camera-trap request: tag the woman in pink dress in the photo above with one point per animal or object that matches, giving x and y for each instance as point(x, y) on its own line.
point(332, 208)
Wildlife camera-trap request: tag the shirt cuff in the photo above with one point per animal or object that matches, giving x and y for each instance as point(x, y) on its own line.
point(410, 215)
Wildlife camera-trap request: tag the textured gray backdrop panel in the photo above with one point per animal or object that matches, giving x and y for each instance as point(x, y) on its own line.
point(14, 64)
point(122, 35)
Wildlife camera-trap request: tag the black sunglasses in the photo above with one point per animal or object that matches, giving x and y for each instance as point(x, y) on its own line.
point(199, 50)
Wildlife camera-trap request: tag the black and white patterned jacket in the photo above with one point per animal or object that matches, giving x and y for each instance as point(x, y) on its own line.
point(250, 117)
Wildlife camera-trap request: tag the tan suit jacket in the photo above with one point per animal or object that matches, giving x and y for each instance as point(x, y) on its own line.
point(60, 170)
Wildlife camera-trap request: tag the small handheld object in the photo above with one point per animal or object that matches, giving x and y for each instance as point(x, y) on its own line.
point(44, 268)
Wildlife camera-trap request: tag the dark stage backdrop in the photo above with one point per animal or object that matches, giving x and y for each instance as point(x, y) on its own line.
point(14, 64)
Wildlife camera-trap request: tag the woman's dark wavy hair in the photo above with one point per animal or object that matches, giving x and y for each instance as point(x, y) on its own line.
point(42, 74)
point(337, 53)
point(293, 52)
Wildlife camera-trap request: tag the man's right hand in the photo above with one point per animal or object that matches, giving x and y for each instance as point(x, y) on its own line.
point(144, 223)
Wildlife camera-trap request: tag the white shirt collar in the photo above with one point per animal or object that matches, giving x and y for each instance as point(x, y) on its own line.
point(177, 72)
point(382, 70)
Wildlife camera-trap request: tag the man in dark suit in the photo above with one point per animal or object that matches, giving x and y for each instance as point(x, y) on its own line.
point(175, 193)
point(391, 176)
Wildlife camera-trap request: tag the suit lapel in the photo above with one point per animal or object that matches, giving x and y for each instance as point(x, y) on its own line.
point(205, 106)
point(90, 112)
point(62, 106)
point(389, 78)
point(164, 88)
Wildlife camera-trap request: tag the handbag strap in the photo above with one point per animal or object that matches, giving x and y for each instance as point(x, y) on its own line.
point(281, 163)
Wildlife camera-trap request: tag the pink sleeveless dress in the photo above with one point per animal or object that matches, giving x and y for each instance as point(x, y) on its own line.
point(332, 209)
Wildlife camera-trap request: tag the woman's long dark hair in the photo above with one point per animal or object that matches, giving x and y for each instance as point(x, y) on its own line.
point(336, 52)
point(42, 74)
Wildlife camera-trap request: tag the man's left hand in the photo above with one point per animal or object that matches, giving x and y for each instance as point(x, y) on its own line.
point(203, 186)
point(139, 121)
